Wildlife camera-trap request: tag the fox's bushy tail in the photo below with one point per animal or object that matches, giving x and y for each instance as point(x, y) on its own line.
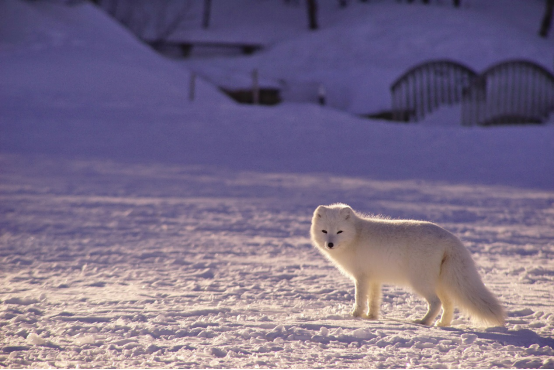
point(461, 280)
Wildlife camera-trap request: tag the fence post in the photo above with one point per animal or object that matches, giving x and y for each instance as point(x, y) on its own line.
point(322, 95)
point(255, 87)
point(192, 85)
point(206, 13)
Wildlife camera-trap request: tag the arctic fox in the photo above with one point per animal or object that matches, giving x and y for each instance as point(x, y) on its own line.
point(418, 254)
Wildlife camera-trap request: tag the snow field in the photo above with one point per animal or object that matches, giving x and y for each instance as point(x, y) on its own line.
point(362, 49)
point(122, 265)
point(69, 89)
point(138, 229)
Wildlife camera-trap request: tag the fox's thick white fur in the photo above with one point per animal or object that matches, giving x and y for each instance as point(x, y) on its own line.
point(418, 254)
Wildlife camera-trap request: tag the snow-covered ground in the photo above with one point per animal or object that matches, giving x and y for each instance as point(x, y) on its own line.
point(113, 265)
point(140, 229)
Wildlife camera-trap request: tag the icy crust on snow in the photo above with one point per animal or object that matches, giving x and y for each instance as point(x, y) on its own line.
point(117, 265)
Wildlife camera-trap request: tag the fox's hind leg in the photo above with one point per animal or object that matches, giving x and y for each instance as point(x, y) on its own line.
point(433, 302)
point(424, 281)
point(434, 306)
point(447, 309)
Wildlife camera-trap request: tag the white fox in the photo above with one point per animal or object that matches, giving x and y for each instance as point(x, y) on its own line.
point(419, 254)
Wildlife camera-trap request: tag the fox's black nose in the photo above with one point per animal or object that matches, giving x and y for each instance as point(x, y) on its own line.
point(330, 245)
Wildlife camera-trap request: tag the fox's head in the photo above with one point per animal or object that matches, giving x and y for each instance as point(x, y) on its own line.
point(333, 227)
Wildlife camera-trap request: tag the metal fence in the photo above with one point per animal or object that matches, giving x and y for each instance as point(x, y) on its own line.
point(515, 91)
point(426, 86)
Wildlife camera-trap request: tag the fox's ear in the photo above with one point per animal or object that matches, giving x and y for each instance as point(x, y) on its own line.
point(319, 211)
point(346, 212)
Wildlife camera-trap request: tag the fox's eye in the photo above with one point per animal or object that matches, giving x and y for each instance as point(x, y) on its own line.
point(324, 231)
point(340, 231)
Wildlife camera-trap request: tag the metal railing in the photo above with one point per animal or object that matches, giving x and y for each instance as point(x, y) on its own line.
point(426, 86)
point(515, 91)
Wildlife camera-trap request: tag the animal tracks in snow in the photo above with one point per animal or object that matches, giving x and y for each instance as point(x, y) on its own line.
point(112, 265)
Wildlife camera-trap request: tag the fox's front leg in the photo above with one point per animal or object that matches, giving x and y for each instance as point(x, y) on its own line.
point(374, 301)
point(361, 296)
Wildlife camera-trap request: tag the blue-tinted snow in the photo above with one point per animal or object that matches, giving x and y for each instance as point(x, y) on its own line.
point(138, 229)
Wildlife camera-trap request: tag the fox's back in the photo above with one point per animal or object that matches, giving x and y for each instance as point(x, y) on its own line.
point(385, 231)
point(396, 249)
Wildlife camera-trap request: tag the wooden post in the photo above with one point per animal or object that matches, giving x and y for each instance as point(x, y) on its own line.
point(255, 87)
point(206, 15)
point(547, 18)
point(312, 14)
point(192, 85)
point(322, 95)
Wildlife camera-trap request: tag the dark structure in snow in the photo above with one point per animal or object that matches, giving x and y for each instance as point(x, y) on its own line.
point(515, 91)
point(547, 18)
point(425, 87)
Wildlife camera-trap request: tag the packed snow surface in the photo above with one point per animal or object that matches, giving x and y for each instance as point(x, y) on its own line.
point(141, 229)
point(114, 265)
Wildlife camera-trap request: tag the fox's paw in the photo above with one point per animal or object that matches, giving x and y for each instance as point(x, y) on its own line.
point(372, 316)
point(364, 315)
point(422, 322)
point(359, 313)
